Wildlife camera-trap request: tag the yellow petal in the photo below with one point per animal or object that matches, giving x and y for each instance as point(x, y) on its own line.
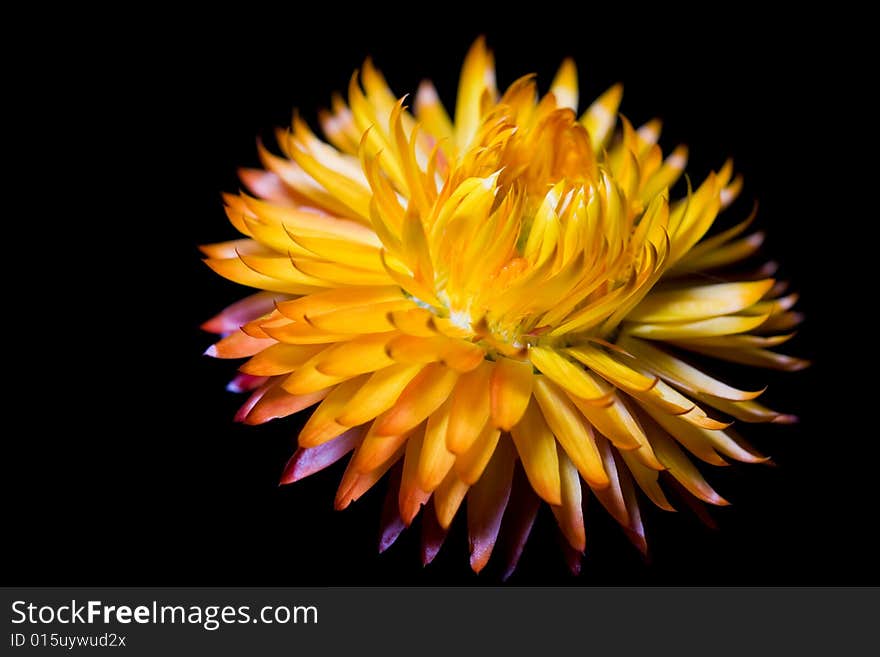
point(565, 85)
point(756, 357)
point(303, 333)
point(572, 430)
point(681, 374)
point(431, 113)
point(611, 369)
point(340, 299)
point(537, 450)
point(681, 467)
point(417, 322)
point(459, 355)
point(569, 514)
point(566, 374)
point(336, 274)
point(448, 498)
point(352, 193)
point(297, 221)
point(647, 479)
point(477, 77)
point(701, 328)
point(237, 271)
point(600, 117)
point(699, 302)
point(378, 394)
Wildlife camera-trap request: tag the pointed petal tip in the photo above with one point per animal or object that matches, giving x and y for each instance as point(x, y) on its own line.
point(478, 562)
point(386, 540)
point(213, 325)
point(211, 351)
point(241, 414)
point(786, 418)
point(638, 539)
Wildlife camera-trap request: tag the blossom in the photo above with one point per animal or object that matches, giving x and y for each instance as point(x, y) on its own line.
point(500, 308)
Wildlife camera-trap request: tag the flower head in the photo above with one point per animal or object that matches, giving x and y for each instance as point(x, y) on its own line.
point(510, 291)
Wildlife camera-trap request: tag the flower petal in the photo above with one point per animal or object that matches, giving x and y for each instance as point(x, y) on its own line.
point(510, 389)
point(424, 395)
point(308, 461)
point(487, 500)
point(572, 430)
point(536, 447)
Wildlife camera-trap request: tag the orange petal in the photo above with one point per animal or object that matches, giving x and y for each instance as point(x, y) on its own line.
point(457, 354)
point(238, 345)
point(322, 425)
point(280, 359)
point(471, 464)
point(354, 483)
point(241, 312)
point(424, 395)
point(376, 449)
point(469, 409)
point(412, 497)
point(435, 460)
point(362, 319)
point(275, 402)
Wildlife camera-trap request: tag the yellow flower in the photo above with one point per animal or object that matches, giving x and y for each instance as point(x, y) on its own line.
point(512, 286)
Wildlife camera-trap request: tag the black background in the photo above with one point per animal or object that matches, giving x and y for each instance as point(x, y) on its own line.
point(126, 466)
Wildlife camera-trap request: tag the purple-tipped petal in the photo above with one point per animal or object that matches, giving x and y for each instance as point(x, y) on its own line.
point(680, 494)
point(433, 534)
point(522, 509)
point(277, 402)
point(245, 382)
point(241, 312)
point(256, 396)
point(635, 530)
point(265, 184)
point(391, 524)
point(486, 501)
point(308, 461)
point(573, 559)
